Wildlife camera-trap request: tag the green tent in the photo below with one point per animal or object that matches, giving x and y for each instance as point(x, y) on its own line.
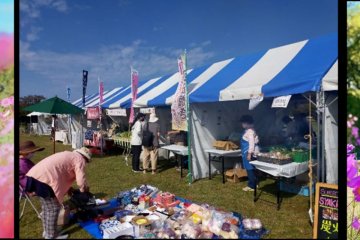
point(54, 105)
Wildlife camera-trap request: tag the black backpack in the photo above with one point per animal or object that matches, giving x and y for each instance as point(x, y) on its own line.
point(148, 137)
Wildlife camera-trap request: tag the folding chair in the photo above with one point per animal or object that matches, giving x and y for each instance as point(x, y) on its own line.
point(25, 196)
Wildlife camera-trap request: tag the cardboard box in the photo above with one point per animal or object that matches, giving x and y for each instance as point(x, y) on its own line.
point(235, 175)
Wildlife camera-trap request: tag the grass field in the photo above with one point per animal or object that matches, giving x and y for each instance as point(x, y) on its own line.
point(109, 175)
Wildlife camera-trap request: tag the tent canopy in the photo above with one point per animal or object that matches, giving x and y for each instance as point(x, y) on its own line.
point(54, 105)
point(296, 68)
point(92, 100)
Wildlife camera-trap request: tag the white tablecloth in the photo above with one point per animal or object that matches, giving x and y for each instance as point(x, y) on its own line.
point(178, 149)
point(216, 152)
point(287, 170)
point(62, 136)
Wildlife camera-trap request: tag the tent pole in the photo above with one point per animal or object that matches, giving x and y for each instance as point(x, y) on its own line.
point(318, 111)
point(310, 161)
point(323, 164)
point(54, 134)
point(188, 122)
point(323, 137)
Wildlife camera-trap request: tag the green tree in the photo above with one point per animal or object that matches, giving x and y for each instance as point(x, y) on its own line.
point(353, 45)
point(27, 101)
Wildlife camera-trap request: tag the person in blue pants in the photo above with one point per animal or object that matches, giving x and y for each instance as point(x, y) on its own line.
point(248, 143)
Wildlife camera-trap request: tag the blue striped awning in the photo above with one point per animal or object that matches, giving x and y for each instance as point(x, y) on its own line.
point(296, 68)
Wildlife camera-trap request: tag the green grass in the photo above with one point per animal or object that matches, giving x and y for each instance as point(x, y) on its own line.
point(109, 175)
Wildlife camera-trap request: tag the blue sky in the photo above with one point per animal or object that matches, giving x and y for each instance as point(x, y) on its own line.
point(7, 16)
point(59, 38)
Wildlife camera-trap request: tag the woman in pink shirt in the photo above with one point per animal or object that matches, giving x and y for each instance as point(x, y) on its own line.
point(51, 180)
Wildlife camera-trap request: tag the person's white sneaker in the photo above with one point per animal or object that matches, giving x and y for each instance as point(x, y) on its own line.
point(43, 235)
point(248, 189)
point(65, 236)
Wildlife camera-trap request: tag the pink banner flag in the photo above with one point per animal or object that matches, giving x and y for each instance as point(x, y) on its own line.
point(178, 107)
point(134, 88)
point(101, 93)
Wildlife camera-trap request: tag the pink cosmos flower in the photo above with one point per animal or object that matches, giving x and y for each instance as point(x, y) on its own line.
point(6, 102)
point(355, 132)
point(356, 223)
point(350, 148)
point(6, 50)
point(352, 170)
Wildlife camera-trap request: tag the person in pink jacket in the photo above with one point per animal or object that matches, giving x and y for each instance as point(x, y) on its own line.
point(51, 179)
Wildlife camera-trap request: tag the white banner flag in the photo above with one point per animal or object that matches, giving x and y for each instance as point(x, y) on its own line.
point(255, 100)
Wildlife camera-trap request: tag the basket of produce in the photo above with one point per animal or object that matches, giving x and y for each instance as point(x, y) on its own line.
point(277, 155)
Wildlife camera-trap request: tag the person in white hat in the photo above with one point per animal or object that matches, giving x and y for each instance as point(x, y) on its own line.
point(151, 152)
point(51, 179)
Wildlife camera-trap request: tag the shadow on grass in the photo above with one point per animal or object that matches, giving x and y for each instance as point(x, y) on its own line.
point(165, 164)
point(100, 195)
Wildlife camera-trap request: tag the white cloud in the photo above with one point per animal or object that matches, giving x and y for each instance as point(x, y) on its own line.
point(31, 10)
point(111, 63)
point(32, 35)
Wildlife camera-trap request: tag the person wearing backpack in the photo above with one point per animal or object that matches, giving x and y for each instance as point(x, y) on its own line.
point(151, 143)
point(136, 141)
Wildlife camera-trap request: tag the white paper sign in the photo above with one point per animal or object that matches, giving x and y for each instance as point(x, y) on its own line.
point(281, 102)
point(116, 112)
point(255, 100)
point(146, 110)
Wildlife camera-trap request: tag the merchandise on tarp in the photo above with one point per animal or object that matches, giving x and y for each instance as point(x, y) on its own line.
point(141, 213)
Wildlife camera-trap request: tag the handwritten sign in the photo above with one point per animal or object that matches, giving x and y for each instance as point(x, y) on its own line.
point(281, 102)
point(326, 211)
point(93, 113)
point(147, 110)
point(116, 112)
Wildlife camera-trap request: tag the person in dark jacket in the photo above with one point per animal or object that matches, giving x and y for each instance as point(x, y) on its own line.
point(151, 153)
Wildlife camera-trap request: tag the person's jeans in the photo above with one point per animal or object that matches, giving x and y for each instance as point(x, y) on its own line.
point(136, 151)
point(251, 178)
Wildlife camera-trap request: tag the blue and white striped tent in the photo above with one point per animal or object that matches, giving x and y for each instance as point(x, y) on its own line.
point(305, 66)
point(92, 100)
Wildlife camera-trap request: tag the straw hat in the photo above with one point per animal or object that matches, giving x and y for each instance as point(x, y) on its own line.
point(85, 152)
point(153, 118)
point(29, 147)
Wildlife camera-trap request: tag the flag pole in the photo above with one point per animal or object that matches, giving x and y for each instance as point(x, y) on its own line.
point(101, 135)
point(188, 121)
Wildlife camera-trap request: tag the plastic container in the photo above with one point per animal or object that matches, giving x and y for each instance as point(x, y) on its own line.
point(300, 157)
point(296, 188)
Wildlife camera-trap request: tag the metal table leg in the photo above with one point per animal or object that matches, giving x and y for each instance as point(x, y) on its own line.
point(256, 183)
point(223, 170)
point(181, 165)
point(278, 193)
point(209, 166)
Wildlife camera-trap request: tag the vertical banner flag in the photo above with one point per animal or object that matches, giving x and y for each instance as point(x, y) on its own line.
point(85, 75)
point(68, 94)
point(134, 88)
point(178, 107)
point(101, 93)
